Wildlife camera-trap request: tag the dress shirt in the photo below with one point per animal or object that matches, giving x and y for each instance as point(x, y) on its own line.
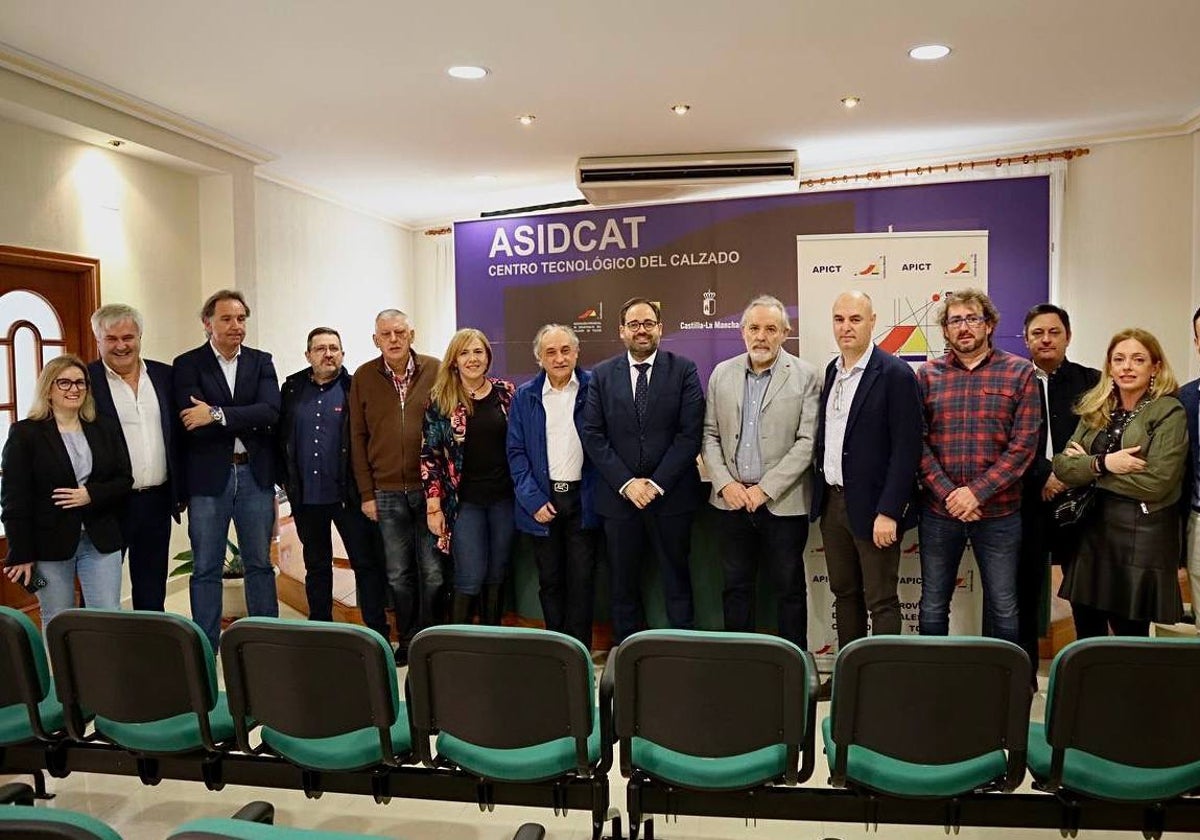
point(1043, 379)
point(229, 368)
point(633, 373)
point(837, 414)
point(320, 413)
point(563, 447)
point(748, 458)
point(141, 424)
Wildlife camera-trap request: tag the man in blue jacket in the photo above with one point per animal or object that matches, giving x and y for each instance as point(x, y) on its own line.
point(555, 481)
point(1189, 395)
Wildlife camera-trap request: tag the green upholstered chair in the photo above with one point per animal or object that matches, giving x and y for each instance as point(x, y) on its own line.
point(20, 820)
point(711, 712)
point(325, 695)
point(1120, 718)
point(29, 707)
point(149, 678)
point(919, 716)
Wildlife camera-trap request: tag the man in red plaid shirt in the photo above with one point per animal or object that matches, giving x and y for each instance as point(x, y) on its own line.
point(982, 418)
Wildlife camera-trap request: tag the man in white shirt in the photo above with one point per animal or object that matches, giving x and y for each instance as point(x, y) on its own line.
point(555, 481)
point(137, 393)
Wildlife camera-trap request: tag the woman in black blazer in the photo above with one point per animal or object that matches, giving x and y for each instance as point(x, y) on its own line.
point(66, 474)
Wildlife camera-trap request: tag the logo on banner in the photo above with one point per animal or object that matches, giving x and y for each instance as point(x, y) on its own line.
point(876, 268)
point(708, 303)
point(590, 320)
point(964, 267)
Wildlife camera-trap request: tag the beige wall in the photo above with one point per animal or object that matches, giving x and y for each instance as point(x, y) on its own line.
point(1128, 246)
point(321, 264)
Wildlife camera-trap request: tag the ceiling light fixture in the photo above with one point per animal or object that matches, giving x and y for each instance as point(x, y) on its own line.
point(929, 52)
point(467, 71)
point(680, 109)
point(116, 144)
point(851, 101)
point(526, 119)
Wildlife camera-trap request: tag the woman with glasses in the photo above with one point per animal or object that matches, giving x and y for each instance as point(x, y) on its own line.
point(1131, 444)
point(464, 467)
point(66, 475)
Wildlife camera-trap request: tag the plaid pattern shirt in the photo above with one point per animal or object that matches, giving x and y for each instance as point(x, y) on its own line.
point(981, 430)
point(401, 383)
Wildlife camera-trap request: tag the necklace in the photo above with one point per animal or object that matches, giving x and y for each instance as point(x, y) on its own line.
point(480, 391)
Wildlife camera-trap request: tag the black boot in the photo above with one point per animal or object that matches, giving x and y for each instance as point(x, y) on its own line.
point(462, 608)
point(492, 609)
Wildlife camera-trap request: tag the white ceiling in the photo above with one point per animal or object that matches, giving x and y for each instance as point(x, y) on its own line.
point(352, 100)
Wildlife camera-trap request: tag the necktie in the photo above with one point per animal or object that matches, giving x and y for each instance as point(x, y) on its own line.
point(639, 391)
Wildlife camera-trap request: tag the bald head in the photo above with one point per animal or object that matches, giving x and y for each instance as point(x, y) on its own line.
point(853, 324)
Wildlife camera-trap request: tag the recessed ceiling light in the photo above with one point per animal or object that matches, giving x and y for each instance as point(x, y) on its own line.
point(851, 101)
point(467, 71)
point(929, 52)
point(681, 109)
point(526, 119)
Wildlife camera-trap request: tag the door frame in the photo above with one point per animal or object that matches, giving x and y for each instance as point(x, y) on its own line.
point(86, 268)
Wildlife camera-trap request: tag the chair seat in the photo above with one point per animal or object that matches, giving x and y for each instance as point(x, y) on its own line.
point(694, 771)
point(352, 751)
point(521, 764)
point(14, 720)
point(904, 778)
point(1094, 776)
point(177, 734)
point(28, 821)
point(246, 830)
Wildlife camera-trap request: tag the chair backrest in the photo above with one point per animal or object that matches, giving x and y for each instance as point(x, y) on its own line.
point(1129, 700)
point(23, 821)
point(131, 667)
point(24, 673)
point(715, 695)
point(309, 679)
point(929, 700)
point(500, 688)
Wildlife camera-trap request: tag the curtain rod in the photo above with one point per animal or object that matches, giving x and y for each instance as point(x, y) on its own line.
point(957, 166)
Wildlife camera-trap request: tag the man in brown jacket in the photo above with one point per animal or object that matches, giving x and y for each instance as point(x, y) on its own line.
point(387, 402)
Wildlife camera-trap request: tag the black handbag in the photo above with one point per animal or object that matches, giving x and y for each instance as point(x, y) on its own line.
point(1073, 505)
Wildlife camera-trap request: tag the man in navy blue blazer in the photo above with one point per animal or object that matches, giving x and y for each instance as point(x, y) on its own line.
point(642, 428)
point(228, 398)
point(867, 453)
point(138, 393)
point(1189, 395)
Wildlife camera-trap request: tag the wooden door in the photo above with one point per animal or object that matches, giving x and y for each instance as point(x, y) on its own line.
point(46, 301)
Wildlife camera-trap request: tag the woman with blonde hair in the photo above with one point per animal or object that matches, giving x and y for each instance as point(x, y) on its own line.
point(1131, 444)
point(66, 474)
point(464, 467)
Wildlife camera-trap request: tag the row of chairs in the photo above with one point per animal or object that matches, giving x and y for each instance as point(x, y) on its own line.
point(255, 821)
point(921, 730)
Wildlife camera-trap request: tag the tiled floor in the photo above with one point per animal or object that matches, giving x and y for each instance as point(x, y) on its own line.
point(138, 811)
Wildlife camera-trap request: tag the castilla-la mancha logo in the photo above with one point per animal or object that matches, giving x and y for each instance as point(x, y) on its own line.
point(708, 303)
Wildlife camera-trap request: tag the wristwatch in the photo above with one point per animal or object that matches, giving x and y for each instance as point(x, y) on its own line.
point(217, 414)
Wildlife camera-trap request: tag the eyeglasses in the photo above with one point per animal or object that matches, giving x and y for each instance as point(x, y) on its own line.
point(647, 325)
point(68, 384)
point(969, 320)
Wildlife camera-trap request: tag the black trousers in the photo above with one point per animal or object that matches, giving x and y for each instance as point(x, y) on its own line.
point(566, 564)
point(862, 576)
point(778, 543)
point(146, 527)
point(630, 542)
point(313, 524)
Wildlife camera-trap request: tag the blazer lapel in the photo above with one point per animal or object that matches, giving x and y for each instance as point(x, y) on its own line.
point(55, 443)
point(778, 377)
point(217, 373)
point(869, 377)
point(244, 380)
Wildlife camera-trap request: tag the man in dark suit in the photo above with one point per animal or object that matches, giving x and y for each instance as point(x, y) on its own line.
point(642, 429)
point(1060, 383)
point(867, 453)
point(228, 398)
point(138, 393)
point(1189, 395)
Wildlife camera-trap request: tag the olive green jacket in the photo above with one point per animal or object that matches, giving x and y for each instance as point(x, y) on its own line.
point(1164, 424)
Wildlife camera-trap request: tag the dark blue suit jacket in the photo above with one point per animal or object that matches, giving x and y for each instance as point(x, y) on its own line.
point(1189, 395)
point(251, 412)
point(669, 439)
point(882, 448)
point(163, 379)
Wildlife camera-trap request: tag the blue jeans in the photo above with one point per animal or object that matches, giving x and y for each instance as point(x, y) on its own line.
point(414, 573)
point(251, 508)
point(997, 544)
point(482, 545)
point(99, 578)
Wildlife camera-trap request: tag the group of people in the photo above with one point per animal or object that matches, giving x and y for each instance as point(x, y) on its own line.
point(428, 468)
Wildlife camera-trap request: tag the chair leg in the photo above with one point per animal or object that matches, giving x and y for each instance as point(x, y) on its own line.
point(39, 786)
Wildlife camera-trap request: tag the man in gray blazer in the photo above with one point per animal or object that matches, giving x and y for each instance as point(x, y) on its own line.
point(759, 426)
